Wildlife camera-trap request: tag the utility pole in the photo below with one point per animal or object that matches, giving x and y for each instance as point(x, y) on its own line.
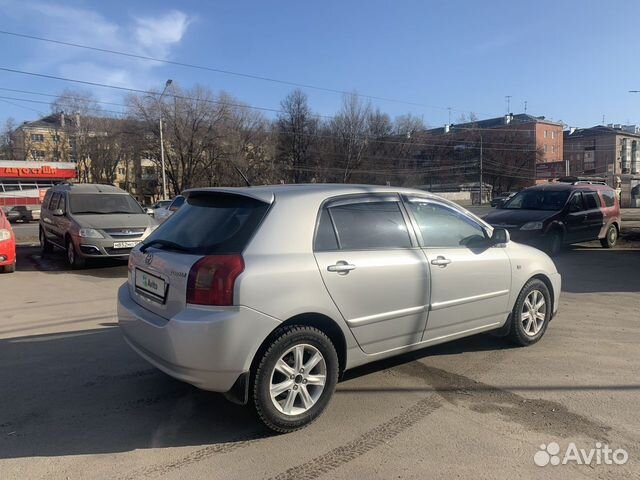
point(164, 174)
point(481, 186)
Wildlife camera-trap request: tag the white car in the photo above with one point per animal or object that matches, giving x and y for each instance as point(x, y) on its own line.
point(162, 213)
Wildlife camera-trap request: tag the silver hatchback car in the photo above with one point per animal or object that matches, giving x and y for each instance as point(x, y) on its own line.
point(269, 294)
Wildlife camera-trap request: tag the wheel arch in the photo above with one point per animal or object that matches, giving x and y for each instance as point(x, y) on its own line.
point(312, 319)
point(547, 281)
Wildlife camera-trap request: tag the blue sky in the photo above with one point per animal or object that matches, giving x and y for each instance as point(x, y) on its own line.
point(572, 60)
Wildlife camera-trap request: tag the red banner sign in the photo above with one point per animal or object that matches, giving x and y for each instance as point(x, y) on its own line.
point(40, 172)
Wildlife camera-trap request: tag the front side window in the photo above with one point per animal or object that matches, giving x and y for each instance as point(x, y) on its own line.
point(370, 225)
point(576, 203)
point(442, 226)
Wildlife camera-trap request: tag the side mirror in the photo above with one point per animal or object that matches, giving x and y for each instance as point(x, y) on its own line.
point(500, 236)
point(58, 212)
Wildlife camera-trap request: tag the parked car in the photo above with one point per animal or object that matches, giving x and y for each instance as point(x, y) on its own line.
point(161, 204)
point(270, 293)
point(554, 214)
point(7, 245)
point(92, 221)
point(501, 198)
point(162, 213)
point(19, 213)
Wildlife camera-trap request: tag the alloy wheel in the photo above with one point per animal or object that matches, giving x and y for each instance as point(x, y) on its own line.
point(534, 313)
point(298, 379)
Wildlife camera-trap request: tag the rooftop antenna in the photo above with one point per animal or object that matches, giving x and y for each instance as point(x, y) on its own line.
point(603, 119)
point(525, 106)
point(449, 108)
point(508, 97)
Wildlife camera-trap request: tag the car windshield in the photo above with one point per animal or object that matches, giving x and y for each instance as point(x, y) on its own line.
point(538, 200)
point(103, 204)
point(210, 223)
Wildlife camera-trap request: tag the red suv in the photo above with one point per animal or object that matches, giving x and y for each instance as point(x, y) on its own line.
point(7, 245)
point(550, 215)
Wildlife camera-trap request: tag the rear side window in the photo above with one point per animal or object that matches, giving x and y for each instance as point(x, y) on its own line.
point(370, 225)
point(211, 223)
point(325, 236)
point(609, 198)
point(591, 199)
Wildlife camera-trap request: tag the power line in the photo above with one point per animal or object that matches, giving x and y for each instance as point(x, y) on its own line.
point(225, 72)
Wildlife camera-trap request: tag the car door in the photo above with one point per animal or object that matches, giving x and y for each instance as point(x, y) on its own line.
point(49, 220)
point(470, 277)
point(374, 270)
point(594, 217)
point(575, 220)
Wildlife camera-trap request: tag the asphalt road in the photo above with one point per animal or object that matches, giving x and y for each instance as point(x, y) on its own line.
point(77, 403)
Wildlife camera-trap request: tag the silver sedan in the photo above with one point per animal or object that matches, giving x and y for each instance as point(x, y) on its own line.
point(269, 294)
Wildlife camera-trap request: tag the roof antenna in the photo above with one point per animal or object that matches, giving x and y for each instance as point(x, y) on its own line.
point(525, 106)
point(240, 173)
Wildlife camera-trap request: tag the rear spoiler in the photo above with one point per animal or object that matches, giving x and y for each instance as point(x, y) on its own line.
point(257, 194)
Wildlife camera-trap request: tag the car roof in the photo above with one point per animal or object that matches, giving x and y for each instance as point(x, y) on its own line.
point(88, 188)
point(267, 193)
point(561, 187)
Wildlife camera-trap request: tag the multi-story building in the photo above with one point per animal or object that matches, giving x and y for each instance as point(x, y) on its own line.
point(611, 152)
point(48, 139)
point(517, 150)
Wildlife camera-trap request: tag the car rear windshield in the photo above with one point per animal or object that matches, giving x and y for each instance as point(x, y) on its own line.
point(210, 223)
point(103, 204)
point(538, 200)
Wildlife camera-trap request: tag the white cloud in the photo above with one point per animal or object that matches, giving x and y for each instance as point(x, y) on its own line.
point(151, 35)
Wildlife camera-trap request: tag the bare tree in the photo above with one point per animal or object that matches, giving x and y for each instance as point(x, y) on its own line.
point(193, 125)
point(8, 140)
point(81, 102)
point(350, 131)
point(296, 127)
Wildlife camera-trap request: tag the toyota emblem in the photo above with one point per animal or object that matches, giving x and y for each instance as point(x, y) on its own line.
point(148, 259)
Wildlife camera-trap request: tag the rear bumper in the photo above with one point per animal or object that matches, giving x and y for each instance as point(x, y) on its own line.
point(204, 347)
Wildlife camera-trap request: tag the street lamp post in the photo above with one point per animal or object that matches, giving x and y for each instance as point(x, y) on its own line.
point(481, 186)
point(164, 174)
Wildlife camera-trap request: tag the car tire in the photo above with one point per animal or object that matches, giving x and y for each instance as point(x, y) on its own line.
point(9, 268)
point(553, 243)
point(74, 260)
point(610, 240)
point(287, 398)
point(45, 245)
point(531, 313)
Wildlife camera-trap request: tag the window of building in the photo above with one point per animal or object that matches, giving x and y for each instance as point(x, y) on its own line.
point(38, 154)
point(553, 134)
point(545, 148)
point(545, 134)
point(56, 138)
point(37, 137)
point(121, 171)
point(553, 149)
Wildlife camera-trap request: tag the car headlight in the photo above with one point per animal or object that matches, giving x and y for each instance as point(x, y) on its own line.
point(532, 226)
point(4, 234)
point(90, 233)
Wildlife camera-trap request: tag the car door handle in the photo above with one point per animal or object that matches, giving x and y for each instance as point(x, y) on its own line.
point(341, 267)
point(440, 261)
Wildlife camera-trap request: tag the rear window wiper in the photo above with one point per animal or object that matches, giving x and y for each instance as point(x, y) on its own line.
point(163, 243)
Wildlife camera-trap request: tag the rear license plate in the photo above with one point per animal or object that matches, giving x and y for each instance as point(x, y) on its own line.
point(124, 244)
point(150, 285)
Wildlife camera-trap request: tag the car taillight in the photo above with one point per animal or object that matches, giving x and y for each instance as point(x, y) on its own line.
point(212, 278)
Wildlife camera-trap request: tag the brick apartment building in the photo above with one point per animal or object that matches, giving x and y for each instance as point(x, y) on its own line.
point(519, 150)
point(610, 152)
